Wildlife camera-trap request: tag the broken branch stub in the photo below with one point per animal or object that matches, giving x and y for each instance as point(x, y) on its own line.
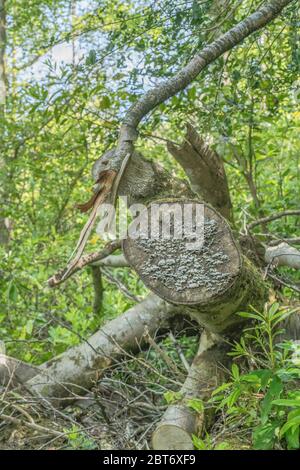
point(283, 255)
point(205, 170)
point(212, 281)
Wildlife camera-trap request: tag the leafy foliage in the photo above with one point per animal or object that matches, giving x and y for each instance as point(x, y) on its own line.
point(72, 68)
point(265, 398)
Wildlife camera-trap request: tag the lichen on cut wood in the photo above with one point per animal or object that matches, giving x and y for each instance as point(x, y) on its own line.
point(180, 270)
point(170, 263)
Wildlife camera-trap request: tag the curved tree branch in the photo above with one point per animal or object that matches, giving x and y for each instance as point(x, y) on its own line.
point(128, 132)
point(272, 217)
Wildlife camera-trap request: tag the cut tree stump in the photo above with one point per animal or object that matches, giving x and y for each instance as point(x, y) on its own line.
point(212, 283)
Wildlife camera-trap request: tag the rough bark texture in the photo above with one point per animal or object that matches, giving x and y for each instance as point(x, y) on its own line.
point(205, 170)
point(181, 421)
point(4, 231)
point(98, 289)
point(113, 261)
point(128, 133)
point(74, 372)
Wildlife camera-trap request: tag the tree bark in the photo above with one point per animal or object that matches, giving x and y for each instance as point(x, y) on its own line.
point(4, 229)
point(205, 170)
point(3, 79)
point(283, 255)
point(113, 261)
point(14, 372)
point(98, 289)
point(181, 421)
point(72, 373)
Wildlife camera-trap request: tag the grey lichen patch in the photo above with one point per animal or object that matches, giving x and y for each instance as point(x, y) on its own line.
point(169, 261)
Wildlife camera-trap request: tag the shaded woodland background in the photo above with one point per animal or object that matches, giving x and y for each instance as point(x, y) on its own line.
point(71, 68)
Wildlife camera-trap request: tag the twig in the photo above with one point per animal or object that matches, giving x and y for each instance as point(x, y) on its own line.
point(265, 220)
point(284, 283)
point(179, 352)
point(31, 425)
point(60, 276)
point(120, 285)
point(170, 363)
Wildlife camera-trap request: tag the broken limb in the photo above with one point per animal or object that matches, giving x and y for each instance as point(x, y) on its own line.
point(91, 258)
point(205, 170)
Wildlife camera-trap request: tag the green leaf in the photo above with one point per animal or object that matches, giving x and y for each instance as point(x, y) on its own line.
point(12, 292)
point(221, 388)
point(172, 397)
point(273, 392)
point(264, 437)
point(235, 372)
point(291, 423)
point(91, 58)
point(105, 102)
point(196, 405)
point(250, 315)
point(273, 309)
point(233, 397)
point(287, 402)
point(292, 437)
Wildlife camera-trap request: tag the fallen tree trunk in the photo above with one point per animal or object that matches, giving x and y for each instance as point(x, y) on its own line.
point(181, 421)
point(72, 373)
point(14, 372)
point(283, 255)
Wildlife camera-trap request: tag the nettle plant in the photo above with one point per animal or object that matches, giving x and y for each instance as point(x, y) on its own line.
point(265, 400)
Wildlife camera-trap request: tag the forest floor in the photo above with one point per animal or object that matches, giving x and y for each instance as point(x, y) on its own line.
point(120, 412)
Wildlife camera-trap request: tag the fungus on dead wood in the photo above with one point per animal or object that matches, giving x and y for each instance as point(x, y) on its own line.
point(212, 280)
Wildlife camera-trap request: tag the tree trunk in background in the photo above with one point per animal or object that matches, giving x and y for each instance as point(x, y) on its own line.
point(3, 80)
point(4, 222)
